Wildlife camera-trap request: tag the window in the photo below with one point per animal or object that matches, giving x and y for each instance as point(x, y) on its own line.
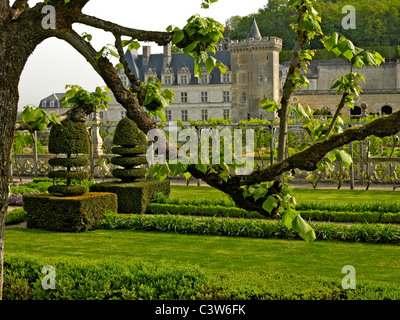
point(226, 78)
point(227, 114)
point(101, 114)
point(204, 78)
point(168, 115)
point(204, 97)
point(51, 104)
point(184, 80)
point(184, 97)
point(184, 114)
point(167, 80)
point(204, 115)
point(262, 78)
point(244, 97)
point(44, 104)
point(123, 114)
point(124, 81)
point(226, 96)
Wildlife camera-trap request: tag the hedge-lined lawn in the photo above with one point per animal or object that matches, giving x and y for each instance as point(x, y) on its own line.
point(214, 254)
point(333, 196)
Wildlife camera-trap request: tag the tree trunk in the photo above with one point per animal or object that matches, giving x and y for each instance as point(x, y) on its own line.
point(8, 116)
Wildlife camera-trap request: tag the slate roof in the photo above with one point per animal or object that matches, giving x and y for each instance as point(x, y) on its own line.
point(254, 32)
point(178, 60)
point(53, 97)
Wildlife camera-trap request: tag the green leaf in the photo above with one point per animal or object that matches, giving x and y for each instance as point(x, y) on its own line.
point(189, 48)
point(288, 218)
point(344, 157)
point(270, 204)
point(201, 167)
point(210, 64)
point(178, 36)
point(177, 168)
point(303, 229)
point(187, 175)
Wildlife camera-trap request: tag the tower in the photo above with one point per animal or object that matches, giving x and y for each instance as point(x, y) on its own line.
point(255, 72)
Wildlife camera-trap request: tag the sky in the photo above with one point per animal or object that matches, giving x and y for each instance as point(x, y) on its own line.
point(55, 64)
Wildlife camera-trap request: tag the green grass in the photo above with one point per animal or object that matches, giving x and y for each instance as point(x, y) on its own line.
point(215, 254)
point(333, 196)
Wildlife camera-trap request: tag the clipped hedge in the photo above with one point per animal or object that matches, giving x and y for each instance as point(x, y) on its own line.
point(201, 210)
point(254, 228)
point(133, 197)
point(140, 280)
point(15, 216)
point(68, 214)
point(71, 162)
point(73, 175)
point(67, 191)
point(117, 280)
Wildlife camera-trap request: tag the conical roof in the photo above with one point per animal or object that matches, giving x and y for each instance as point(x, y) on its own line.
point(254, 32)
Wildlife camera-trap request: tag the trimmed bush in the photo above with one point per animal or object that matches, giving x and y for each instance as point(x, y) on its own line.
point(67, 191)
point(133, 197)
point(140, 280)
point(255, 228)
point(128, 136)
point(15, 216)
point(73, 162)
point(201, 210)
point(119, 280)
point(68, 214)
point(69, 137)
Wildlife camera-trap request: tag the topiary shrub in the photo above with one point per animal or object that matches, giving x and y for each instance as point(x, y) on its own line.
point(133, 197)
point(69, 138)
point(131, 140)
point(68, 214)
point(133, 191)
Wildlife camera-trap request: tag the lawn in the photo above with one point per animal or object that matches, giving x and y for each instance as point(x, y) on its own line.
point(215, 254)
point(333, 196)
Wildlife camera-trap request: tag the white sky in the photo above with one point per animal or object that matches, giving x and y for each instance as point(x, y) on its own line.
point(55, 64)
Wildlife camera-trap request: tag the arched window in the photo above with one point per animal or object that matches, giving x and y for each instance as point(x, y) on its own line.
point(385, 110)
point(356, 111)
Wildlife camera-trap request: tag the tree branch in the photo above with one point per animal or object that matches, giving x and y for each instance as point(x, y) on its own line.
point(161, 38)
point(308, 158)
point(18, 7)
point(135, 82)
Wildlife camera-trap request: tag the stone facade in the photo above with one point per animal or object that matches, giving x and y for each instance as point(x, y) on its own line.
point(380, 92)
point(253, 72)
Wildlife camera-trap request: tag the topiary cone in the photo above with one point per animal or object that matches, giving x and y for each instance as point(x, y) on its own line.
point(131, 141)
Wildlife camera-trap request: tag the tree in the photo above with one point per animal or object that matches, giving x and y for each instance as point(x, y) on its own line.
point(21, 31)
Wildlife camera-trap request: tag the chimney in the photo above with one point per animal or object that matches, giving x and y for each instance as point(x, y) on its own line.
point(167, 55)
point(146, 55)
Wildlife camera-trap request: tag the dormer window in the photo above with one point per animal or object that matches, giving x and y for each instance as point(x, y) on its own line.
point(51, 104)
point(226, 77)
point(167, 80)
point(184, 75)
point(184, 80)
point(204, 78)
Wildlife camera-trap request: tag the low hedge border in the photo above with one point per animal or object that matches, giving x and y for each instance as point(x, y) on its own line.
point(254, 228)
point(315, 215)
point(200, 210)
point(126, 280)
point(15, 216)
point(106, 280)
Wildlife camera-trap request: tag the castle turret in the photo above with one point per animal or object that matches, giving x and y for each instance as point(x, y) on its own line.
point(255, 72)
